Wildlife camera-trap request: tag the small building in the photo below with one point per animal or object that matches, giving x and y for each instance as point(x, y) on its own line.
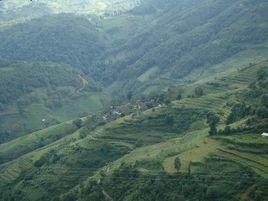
point(107, 118)
point(265, 134)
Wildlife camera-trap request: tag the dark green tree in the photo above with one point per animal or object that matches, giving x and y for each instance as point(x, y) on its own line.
point(169, 119)
point(198, 92)
point(264, 101)
point(78, 123)
point(261, 74)
point(212, 121)
point(177, 163)
point(238, 111)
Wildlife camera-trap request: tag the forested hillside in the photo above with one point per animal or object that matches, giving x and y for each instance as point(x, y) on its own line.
point(133, 100)
point(37, 95)
point(189, 40)
point(63, 38)
point(156, 44)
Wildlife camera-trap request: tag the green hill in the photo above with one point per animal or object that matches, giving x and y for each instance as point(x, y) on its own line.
point(166, 42)
point(166, 150)
point(133, 100)
point(36, 95)
point(62, 38)
point(186, 41)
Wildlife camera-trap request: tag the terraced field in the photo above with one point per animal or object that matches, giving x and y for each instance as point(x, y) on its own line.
point(146, 142)
point(20, 146)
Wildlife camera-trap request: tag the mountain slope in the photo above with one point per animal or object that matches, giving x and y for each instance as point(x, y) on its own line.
point(189, 40)
point(139, 151)
point(15, 10)
point(62, 39)
point(156, 44)
point(37, 95)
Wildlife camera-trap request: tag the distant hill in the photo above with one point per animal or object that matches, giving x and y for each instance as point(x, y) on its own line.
point(15, 10)
point(186, 41)
point(63, 38)
point(155, 44)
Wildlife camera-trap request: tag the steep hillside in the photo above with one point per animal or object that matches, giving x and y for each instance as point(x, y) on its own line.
point(155, 44)
point(36, 95)
point(132, 100)
point(162, 153)
point(65, 39)
point(186, 41)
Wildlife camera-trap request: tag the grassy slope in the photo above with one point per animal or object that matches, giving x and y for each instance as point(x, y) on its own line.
point(71, 159)
point(31, 92)
point(25, 144)
point(195, 149)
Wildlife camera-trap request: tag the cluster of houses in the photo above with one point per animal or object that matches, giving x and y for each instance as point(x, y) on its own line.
point(119, 111)
point(114, 113)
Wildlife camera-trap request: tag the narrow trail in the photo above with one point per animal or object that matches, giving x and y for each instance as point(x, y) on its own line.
point(107, 195)
point(84, 83)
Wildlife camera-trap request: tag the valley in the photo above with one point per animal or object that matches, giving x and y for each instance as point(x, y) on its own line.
point(133, 100)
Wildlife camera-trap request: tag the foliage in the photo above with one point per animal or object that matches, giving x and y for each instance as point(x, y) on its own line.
point(198, 92)
point(212, 121)
point(78, 123)
point(177, 163)
point(238, 111)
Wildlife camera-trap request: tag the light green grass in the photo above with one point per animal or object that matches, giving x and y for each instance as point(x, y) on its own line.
point(25, 144)
point(86, 104)
point(199, 153)
point(148, 74)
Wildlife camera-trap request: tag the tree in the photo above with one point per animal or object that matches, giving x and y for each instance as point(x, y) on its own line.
point(169, 119)
point(78, 123)
point(262, 112)
point(198, 92)
point(167, 101)
point(40, 142)
point(264, 101)
point(227, 130)
point(238, 111)
point(212, 121)
point(177, 163)
point(179, 97)
point(261, 74)
point(129, 95)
